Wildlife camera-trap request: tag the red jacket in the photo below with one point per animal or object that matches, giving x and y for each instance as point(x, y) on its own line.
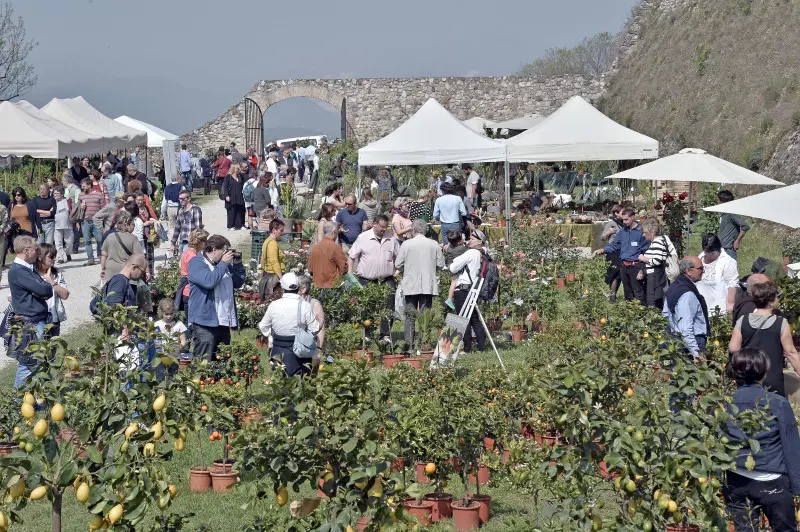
point(222, 164)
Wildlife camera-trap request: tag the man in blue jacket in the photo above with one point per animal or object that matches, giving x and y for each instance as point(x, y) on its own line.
point(29, 315)
point(630, 243)
point(213, 275)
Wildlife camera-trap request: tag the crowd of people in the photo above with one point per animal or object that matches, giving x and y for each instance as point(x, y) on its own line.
point(112, 208)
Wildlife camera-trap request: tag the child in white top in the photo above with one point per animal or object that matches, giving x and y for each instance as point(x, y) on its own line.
point(168, 327)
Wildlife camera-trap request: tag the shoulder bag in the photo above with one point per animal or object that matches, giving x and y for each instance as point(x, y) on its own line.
point(305, 345)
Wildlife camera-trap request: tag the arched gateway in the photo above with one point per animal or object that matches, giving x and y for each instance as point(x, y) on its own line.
point(373, 107)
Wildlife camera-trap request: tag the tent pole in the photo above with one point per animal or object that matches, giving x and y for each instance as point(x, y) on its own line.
point(358, 191)
point(688, 220)
point(508, 202)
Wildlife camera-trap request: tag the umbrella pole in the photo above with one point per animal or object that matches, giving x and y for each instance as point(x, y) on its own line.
point(508, 203)
point(655, 191)
point(688, 219)
point(358, 191)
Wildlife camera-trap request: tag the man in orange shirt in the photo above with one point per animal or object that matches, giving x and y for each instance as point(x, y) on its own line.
point(327, 262)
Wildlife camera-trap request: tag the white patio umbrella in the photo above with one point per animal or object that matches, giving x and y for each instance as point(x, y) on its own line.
point(779, 206)
point(695, 165)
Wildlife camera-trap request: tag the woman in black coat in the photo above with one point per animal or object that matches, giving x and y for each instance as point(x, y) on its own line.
point(234, 199)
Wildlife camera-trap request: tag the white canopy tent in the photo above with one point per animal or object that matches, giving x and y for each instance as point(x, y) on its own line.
point(77, 113)
point(22, 133)
point(91, 144)
point(431, 136)
point(779, 206)
point(522, 123)
point(155, 135)
point(579, 132)
point(476, 124)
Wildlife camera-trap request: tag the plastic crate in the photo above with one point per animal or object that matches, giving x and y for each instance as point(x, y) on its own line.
point(258, 239)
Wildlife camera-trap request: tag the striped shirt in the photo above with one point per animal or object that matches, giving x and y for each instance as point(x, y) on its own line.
point(92, 202)
point(658, 253)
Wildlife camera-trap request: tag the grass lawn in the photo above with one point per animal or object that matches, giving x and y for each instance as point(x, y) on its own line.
point(218, 512)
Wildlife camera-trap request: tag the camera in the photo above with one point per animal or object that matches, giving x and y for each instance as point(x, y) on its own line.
point(237, 255)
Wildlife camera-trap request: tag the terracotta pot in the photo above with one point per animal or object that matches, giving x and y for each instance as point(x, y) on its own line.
point(391, 360)
point(483, 476)
point(415, 362)
point(7, 448)
point(221, 479)
point(570, 277)
point(518, 334)
point(550, 441)
point(466, 516)
point(298, 227)
point(488, 443)
point(419, 510)
point(527, 431)
point(223, 466)
point(441, 506)
point(199, 479)
point(682, 528)
point(486, 505)
point(506, 456)
point(561, 283)
point(360, 353)
point(426, 355)
point(422, 478)
point(362, 524)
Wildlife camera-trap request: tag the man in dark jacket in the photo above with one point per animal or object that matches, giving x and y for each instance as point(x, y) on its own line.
point(630, 243)
point(132, 174)
point(29, 294)
point(769, 478)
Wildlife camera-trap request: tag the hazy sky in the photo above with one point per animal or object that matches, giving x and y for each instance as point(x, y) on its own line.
point(179, 63)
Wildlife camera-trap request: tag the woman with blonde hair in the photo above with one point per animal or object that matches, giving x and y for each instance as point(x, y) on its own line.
point(197, 241)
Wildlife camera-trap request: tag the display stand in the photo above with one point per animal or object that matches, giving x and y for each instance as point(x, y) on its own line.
point(458, 322)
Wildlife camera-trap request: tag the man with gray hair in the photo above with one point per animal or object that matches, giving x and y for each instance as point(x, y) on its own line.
point(419, 260)
point(327, 262)
point(686, 310)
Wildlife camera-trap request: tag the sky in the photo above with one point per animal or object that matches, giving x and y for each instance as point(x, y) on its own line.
point(180, 63)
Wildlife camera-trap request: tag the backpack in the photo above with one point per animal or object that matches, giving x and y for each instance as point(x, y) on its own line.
point(248, 190)
point(479, 188)
point(672, 270)
point(490, 274)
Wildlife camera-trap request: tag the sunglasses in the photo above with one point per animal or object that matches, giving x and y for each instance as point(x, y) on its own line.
point(182, 199)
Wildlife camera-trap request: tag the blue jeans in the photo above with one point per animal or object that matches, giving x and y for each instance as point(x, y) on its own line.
point(449, 227)
point(25, 368)
point(89, 230)
point(187, 180)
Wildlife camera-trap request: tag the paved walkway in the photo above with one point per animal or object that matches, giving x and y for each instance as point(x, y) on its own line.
point(81, 278)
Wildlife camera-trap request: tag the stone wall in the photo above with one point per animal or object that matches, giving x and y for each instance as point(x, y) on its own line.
point(638, 20)
point(377, 106)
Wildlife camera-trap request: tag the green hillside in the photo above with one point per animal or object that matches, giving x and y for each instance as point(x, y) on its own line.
point(722, 75)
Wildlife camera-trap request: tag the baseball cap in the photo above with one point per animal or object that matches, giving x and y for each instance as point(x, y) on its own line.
point(289, 281)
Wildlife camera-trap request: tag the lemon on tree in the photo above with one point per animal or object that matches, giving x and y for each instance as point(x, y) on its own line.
point(40, 429)
point(160, 403)
point(82, 493)
point(96, 522)
point(57, 413)
point(115, 514)
point(27, 410)
point(282, 496)
point(38, 493)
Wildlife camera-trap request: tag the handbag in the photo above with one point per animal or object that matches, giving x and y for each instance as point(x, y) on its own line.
point(305, 345)
point(162, 232)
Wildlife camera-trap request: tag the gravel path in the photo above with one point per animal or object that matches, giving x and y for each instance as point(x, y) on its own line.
point(80, 278)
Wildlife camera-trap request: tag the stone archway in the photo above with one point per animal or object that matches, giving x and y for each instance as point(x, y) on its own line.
point(266, 97)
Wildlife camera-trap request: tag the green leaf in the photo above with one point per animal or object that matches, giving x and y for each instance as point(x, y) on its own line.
point(305, 432)
point(366, 416)
point(94, 455)
point(350, 446)
point(569, 381)
point(68, 474)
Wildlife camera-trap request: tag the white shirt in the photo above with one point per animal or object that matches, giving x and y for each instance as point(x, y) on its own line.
point(471, 259)
point(272, 166)
point(310, 151)
point(718, 277)
point(472, 179)
point(281, 317)
point(177, 328)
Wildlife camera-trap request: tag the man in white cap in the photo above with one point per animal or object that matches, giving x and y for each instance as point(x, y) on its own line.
point(283, 318)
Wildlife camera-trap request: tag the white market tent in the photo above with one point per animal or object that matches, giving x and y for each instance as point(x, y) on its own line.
point(155, 135)
point(90, 144)
point(779, 205)
point(431, 136)
point(476, 124)
point(579, 132)
point(22, 134)
point(522, 123)
point(77, 113)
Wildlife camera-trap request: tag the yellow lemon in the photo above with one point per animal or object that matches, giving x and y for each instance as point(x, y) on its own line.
point(28, 399)
point(179, 444)
point(157, 430)
point(282, 496)
point(95, 522)
point(629, 392)
point(3, 522)
point(17, 490)
point(376, 490)
point(173, 490)
point(40, 429)
point(160, 403)
point(149, 449)
point(57, 413)
point(672, 507)
point(132, 427)
point(82, 493)
point(115, 514)
point(27, 411)
point(71, 363)
point(38, 493)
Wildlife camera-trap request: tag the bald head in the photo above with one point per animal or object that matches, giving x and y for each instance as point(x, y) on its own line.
point(136, 266)
point(757, 278)
point(692, 267)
